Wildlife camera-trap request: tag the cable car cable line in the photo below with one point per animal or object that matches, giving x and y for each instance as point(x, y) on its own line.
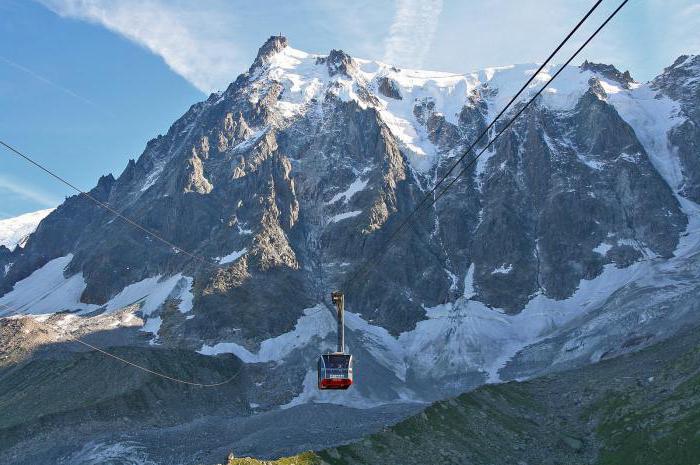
point(383, 249)
point(527, 104)
point(377, 257)
point(135, 224)
point(109, 208)
point(209, 262)
point(148, 370)
point(107, 353)
point(485, 131)
point(342, 376)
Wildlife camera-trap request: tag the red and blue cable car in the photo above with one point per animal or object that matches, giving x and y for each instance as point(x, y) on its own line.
point(335, 368)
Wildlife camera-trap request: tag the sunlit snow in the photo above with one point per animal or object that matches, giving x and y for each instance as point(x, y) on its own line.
point(46, 290)
point(14, 230)
point(233, 256)
point(356, 186)
point(316, 322)
point(344, 216)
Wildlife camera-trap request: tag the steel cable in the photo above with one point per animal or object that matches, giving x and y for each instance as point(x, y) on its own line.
point(367, 266)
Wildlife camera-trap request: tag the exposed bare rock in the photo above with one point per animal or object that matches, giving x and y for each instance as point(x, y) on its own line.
point(196, 182)
point(389, 88)
point(609, 71)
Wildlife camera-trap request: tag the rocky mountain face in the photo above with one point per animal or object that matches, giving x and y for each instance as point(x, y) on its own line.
point(572, 239)
point(680, 83)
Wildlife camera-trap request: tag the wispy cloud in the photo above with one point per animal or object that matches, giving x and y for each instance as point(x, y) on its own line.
point(190, 36)
point(686, 28)
point(210, 42)
point(49, 82)
point(28, 192)
point(412, 31)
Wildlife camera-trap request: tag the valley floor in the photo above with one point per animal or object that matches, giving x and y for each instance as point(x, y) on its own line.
point(637, 409)
point(208, 439)
point(78, 408)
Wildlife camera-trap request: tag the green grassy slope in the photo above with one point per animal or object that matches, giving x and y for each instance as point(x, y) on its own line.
point(306, 458)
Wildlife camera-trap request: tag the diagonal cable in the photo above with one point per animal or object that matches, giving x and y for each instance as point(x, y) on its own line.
point(107, 207)
point(378, 257)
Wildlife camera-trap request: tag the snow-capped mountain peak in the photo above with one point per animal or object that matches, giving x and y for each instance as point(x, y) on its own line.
point(399, 94)
point(296, 175)
point(15, 231)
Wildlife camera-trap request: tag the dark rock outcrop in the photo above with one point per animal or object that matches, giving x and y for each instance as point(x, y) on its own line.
point(609, 71)
point(388, 88)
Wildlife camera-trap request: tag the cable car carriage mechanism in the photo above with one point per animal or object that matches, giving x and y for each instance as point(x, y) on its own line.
point(335, 368)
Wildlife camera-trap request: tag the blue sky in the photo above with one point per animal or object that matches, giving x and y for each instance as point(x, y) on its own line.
point(85, 83)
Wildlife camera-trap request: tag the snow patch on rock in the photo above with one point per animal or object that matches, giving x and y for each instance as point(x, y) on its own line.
point(356, 186)
point(233, 256)
point(46, 290)
point(503, 269)
point(602, 248)
point(344, 216)
point(316, 322)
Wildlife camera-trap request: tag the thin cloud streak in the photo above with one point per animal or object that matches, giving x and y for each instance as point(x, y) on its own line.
point(49, 82)
point(28, 192)
point(191, 38)
point(688, 24)
point(412, 31)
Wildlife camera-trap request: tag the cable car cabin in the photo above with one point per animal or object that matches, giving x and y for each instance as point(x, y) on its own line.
point(335, 371)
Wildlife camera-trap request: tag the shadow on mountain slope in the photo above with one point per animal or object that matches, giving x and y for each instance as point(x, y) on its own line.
point(640, 408)
point(59, 405)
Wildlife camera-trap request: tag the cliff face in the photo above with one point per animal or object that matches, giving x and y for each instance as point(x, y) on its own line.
point(293, 177)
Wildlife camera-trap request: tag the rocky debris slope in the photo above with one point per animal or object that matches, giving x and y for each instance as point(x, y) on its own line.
point(57, 399)
point(292, 178)
point(641, 408)
point(306, 458)
point(94, 412)
point(21, 337)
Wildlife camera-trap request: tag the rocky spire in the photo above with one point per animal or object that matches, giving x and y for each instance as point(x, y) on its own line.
point(337, 62)
point(273, 45)
point(609, 71)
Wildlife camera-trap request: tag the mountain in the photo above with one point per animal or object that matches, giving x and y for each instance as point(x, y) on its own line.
point(572, 240)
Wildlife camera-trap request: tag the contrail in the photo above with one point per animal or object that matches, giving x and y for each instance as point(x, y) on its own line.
point(28, 192)
point(49, 82)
